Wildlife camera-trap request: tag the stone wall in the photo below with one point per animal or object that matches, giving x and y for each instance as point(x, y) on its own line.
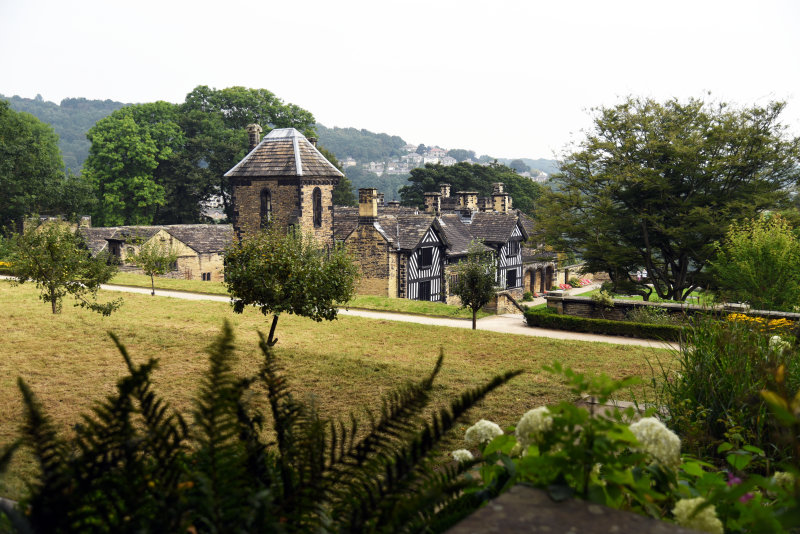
point(292, 203)
point(377, 261)
point(586, 307)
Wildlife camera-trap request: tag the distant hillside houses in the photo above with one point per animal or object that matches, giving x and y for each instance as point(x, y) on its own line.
point(404, 164)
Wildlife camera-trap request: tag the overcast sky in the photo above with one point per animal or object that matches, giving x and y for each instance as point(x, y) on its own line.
point(505, 78)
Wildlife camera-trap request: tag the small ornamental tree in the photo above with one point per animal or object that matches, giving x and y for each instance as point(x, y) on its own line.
point(155, 258)
point(475, 281)
point(758, 262)
point(289, 272)
point(57, 260)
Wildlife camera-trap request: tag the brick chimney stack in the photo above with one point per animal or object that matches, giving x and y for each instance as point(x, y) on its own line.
point(255, 135)
point(500, 199)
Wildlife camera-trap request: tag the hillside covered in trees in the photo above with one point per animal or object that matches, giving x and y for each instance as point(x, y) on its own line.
point(71, 119)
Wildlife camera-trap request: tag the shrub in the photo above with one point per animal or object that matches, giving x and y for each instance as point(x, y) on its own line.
point(134, 465)
point(713, 395)
point(527, 296)
point(575, 282)
point(566, 450)
point(549, 319)
point(654, 315)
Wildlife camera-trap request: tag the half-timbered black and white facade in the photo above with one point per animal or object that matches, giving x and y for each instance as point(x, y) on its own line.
point(426, 268)
point(509, 261)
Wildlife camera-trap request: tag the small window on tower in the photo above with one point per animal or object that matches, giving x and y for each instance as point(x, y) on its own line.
point(266, 207)
point(317, 200)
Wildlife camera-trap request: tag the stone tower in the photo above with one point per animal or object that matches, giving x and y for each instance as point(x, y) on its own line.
point(284, 181)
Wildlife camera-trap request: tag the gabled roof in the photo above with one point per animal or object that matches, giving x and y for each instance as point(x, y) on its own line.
point(494, 227)
point(97, 238)
point(457, 235)
point(402, 227)
point(202, 238)
point(284, 152)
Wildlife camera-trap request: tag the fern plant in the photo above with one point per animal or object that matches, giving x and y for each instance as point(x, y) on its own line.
point(135, 465)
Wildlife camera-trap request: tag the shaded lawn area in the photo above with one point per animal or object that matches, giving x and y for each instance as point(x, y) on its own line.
point(368, 302)
point(345, 365)
point(700, 298)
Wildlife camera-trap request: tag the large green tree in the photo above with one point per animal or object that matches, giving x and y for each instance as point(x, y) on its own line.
point(654, 185)
point(278, 271)
point(127, 148)
point(471, 177)
point(31, 169)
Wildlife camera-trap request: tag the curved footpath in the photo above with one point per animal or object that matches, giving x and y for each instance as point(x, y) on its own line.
point(507, 324)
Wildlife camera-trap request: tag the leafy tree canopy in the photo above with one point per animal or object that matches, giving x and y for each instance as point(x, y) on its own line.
point(127, 148)
point(654, 185)
point(476, 280)
point(154, 259)
point(289, 272)
point(30, 165)
point(56, 259)
point(471, 177)
point(71, 119)
point(758, 262)
point(519, 166)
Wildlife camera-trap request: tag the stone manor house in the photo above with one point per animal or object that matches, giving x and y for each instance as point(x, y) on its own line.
point(402, 252)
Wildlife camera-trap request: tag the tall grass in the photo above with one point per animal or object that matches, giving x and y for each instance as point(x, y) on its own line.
point(712, 389)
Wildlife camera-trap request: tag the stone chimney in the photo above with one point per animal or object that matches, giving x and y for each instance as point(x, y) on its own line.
point(255, 135)
point(367, 205)
point(468, 199)
point(380, 200)
point(393, 204)
point(433, 203)
point(485, 204)
point(501, 201)
point(312, 140)
point(445, 189)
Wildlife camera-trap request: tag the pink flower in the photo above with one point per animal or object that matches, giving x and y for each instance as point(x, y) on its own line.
point(733, 480)
point(745, 498)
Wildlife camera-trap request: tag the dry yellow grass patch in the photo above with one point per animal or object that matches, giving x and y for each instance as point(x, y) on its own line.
point(346, 365)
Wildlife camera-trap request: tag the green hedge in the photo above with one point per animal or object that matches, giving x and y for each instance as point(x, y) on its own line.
point(555, 321)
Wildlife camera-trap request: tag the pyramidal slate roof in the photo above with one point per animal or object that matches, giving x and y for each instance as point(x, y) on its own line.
point(284, 152)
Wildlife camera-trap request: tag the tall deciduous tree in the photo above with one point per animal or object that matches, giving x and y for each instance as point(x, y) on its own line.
point(654, 185)
point(758, 262)
point(56, 259)
point(289, 272)
point(476, 280)
point(127, 148)
point(30, 165)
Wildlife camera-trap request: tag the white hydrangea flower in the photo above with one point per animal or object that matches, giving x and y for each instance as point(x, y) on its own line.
point(462, 455)
point(658, 441)
point(533, 425)
point(482, 432)
point(778, 345)
point(783, 479)
point(706, 520)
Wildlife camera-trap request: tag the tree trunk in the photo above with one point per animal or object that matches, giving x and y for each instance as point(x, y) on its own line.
point(272, 340)
point(152, 286)
point(53, 305)
point(474, 316)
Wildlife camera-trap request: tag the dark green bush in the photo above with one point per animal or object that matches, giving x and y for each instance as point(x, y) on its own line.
point(134, 465)
point(550, 319)
point(527, 296)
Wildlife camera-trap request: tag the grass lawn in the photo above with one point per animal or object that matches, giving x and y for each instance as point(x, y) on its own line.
point(697, 297)
point(368, 302)
point(348, 364)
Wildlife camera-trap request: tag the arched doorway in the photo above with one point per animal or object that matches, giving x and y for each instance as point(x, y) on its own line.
point(547, 283)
